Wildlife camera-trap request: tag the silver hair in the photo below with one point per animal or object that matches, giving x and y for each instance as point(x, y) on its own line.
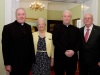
point(41, 19)
point(68, 12)
point(89, 14)
point(19, 9)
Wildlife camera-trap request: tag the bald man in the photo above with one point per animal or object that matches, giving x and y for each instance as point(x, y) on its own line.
point(90, 52)
point(17, 45)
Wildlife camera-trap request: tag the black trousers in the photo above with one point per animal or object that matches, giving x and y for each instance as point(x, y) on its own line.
point(20, 70)
point(62, 67)
point(89, 69)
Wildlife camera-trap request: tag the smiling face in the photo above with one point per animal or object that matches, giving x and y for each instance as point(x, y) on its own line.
point(66, 17)
point(20, 15)
point(41, 25)
point(88, 20)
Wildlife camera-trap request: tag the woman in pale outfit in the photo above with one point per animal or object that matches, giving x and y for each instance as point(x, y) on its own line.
point(44, 49)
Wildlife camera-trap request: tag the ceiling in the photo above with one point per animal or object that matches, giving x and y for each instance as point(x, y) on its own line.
point(60, 4)
point(67, 1)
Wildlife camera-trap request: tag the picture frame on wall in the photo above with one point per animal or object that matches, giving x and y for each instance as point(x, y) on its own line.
point(31, 21)
point(51, 24)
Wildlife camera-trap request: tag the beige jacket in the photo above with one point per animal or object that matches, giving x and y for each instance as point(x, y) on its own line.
point(49, 43)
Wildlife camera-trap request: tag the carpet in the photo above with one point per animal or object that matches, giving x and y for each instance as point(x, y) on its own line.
point(52, 72)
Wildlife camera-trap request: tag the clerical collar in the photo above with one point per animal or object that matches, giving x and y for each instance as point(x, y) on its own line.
point(22, 24)
point(67, 25)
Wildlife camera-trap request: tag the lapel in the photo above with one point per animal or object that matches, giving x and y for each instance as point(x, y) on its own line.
point(18, 30)
point(46, 39)
point(36, 39)
point(83, 34)
point(92, 34)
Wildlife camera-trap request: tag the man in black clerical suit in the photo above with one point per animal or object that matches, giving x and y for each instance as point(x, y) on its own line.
point(17, 45)
point(66, 39)
point(89, 55)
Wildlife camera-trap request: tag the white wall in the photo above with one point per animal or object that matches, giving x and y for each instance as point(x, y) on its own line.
point(10, 8)
point(2, 71)
point(7, 15)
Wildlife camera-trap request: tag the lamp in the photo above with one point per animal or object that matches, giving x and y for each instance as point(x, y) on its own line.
point(37, 5)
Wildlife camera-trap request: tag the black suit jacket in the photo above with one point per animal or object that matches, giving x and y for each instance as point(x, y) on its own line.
point(90, 52)
point(65, 38)
point(17, 46)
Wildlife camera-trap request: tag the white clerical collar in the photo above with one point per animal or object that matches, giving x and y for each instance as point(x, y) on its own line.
point(22, 24)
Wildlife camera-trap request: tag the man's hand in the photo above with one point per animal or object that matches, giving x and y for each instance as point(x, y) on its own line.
point(99, 64)
point(69, 53)
point(8, 68)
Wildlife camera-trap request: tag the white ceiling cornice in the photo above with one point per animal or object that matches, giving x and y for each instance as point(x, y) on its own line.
point(67, 1)
point(54, 4)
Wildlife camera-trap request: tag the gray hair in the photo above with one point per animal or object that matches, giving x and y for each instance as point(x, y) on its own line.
point(20, 9)
point(68, 12)
point(41, 19)
point(88, 14)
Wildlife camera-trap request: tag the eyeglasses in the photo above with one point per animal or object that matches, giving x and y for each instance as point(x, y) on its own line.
point(87, 18)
